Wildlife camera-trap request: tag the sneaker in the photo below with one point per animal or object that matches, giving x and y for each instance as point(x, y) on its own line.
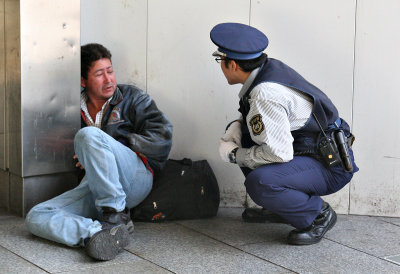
point(314, 233)
point(111, 216)
point(108, 242)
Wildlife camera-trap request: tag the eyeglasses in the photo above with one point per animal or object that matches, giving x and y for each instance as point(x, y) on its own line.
point(219, 59)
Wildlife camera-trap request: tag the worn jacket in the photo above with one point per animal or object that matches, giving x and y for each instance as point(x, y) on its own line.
point(133, 119)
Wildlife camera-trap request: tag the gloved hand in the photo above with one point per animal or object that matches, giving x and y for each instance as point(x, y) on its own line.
point(225, 148)
point(234, 133)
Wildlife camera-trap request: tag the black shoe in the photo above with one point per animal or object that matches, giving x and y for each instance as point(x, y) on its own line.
point(111, 216)
point(261, 215)
point(314, 233)
point(108, 242)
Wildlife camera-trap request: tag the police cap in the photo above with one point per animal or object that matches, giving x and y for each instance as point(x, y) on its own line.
point(238, 41)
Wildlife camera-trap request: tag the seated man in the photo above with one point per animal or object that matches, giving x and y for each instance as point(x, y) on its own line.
point(280, 141)
point(124, 140)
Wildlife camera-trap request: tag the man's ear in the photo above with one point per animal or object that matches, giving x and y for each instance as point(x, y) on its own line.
point(234, 65)
point(83, 82)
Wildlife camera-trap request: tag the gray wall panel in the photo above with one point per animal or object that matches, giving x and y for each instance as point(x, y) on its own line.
point(2, 90)
point(375, 189)
point(13, 86)
point(16, 195)
point(4, 189)
point(123, 30)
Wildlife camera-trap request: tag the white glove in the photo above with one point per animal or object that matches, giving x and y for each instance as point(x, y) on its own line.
point(234, 133)
point(225, 148)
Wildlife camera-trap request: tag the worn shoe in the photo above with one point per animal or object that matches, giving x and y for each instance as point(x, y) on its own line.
point(314, 233)
point(261, 215)
point(108, 242)
point(111, 216)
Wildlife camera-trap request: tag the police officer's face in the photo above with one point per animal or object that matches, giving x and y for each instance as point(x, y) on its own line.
point(229, 72)
point(100, 83)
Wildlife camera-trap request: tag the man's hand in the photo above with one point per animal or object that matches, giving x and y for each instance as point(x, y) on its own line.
point(234, 133)
point(78, 164)
point(225, 148)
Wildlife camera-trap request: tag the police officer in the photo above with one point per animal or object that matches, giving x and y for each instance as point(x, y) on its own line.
point(276, 140)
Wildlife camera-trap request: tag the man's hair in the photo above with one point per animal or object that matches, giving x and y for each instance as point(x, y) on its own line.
point(248, 65)
point(91, 53)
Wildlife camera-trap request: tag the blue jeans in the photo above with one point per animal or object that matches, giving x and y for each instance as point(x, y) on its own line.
point(115, 177)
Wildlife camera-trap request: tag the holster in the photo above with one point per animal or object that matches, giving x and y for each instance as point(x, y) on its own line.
point(334, 149)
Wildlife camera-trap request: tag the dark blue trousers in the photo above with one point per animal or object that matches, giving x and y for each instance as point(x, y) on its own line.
point(293, 189)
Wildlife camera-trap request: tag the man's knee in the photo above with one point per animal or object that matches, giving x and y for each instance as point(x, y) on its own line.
point(34, 217)
point(261, 186)
point(85, 135)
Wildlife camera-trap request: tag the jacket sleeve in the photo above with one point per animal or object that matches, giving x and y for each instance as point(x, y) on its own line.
point(153, 134)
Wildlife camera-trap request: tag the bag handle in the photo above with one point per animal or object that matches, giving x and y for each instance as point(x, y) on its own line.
point(184, 161)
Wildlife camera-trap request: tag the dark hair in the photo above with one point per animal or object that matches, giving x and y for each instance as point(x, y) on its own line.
point(248, 65)
point(91, 53)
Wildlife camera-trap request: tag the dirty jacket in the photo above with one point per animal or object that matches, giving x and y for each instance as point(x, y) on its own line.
point(133, 119)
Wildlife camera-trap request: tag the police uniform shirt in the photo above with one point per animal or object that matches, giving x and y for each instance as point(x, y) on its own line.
point(275, 111)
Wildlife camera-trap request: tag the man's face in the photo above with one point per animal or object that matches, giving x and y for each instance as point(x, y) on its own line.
point(228, 72)
point(100, 83)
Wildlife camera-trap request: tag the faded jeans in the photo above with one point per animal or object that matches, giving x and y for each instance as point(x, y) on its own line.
point(115, 177)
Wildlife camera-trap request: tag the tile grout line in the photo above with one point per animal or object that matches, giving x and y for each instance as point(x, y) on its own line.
point(390, 223)
point(361, 251)
point(215, 239)
point(111, 264)
point(148, 260)
point(26, 260)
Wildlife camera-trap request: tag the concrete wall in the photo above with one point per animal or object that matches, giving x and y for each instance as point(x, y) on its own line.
point(347, 48)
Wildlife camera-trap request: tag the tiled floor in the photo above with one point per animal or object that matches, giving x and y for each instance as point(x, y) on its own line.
point(224, 244)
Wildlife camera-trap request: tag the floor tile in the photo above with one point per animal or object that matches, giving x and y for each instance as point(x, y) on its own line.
point(11, 263)
point(50, 256)
point(395, 221)
point(229, 227)
point(182, 250)
point(371, 235)
point(394, 259)
point(140, 267)
point(324, 257)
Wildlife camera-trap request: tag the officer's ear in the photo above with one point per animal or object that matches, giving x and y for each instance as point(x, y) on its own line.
point(234, 65)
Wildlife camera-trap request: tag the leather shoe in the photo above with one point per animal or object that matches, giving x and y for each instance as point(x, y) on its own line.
point(314, 233)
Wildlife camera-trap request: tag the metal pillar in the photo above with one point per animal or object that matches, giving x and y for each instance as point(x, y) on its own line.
point(39, 99)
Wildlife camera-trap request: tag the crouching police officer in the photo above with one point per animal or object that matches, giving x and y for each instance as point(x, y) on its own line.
point(290, 142)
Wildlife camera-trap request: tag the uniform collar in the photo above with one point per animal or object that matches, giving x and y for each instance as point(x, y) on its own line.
point(248, 82)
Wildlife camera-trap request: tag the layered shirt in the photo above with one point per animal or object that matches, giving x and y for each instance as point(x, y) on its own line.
point(279, 110)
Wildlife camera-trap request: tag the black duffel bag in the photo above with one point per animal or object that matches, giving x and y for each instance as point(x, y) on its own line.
point(184, 189)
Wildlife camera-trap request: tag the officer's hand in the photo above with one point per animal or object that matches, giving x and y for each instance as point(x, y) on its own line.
point(78, 164)
point(234, 133)
point(225, 148)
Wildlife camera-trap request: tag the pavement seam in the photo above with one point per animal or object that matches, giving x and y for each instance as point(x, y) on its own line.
point(132, 252)
point(361, 251)
point(26, 260)
point(215, 239)
point(388, 222)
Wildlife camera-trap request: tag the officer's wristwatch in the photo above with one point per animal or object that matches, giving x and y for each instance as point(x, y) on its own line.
point(232, 156)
